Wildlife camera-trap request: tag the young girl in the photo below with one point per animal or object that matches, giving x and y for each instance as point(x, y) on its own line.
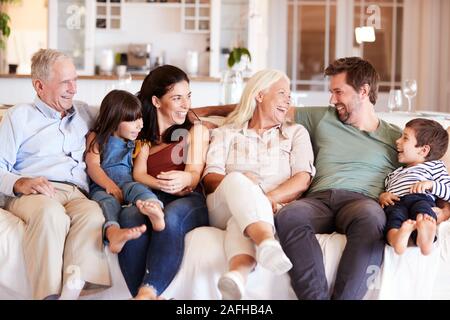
point(110, 148)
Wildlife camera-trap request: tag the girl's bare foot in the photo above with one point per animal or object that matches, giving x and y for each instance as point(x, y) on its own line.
point(398, 239)
point(426, 232)
point(147, 293)
point(154, 212)
point(117, 237)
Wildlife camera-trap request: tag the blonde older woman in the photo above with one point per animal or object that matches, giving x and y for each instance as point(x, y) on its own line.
point(257, 162)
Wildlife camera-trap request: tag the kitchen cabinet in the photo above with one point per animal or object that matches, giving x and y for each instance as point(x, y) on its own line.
point(108, 14)
point(195, 16)
point(71, 30)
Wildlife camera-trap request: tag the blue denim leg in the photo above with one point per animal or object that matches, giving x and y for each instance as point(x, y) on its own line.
point(110, 206)
point(133, 191)
point(133, 256)
point(166, 248)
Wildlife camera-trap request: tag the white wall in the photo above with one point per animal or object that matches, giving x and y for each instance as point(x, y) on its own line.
point(158, 25)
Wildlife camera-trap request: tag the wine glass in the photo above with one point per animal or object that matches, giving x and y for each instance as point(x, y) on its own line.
point(410, 91)
point(395, 100)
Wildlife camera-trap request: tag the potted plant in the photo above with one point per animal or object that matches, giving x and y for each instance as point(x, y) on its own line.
point(232, 81)
point(236, 55)
point(5, 31)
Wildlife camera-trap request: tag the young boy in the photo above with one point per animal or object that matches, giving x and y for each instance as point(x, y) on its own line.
point(411, 191)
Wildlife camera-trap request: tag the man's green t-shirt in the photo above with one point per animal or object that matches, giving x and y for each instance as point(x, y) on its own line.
point(346, 157)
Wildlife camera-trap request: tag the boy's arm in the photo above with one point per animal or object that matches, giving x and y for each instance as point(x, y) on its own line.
point(441, 188)
point(441, 183)
point(96, 172)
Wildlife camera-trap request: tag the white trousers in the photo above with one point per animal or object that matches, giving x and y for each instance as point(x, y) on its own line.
point(236, 204)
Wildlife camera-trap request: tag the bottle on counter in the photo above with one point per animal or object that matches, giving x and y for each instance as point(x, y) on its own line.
point(192, 63)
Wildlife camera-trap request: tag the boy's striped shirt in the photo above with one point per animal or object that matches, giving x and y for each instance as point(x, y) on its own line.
point(400, 181)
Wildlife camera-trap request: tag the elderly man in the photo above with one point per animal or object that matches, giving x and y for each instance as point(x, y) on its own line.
point(43, 172)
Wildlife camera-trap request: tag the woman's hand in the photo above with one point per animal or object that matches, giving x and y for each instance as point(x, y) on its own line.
point(273, 203)
point(184, 192)
point(388, 199)
point(174, 182)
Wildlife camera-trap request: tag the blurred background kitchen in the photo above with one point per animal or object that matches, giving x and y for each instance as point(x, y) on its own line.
point(115, 43)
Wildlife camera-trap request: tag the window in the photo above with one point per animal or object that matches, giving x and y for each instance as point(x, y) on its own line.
point(386, 52)
point(319, 32)
point(311, 42)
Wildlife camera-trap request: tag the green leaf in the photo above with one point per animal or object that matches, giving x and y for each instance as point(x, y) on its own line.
point(230, 61)
point(245, 52)
point(236, 56)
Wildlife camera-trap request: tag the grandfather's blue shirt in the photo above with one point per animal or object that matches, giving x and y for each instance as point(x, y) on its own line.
point(35, 141)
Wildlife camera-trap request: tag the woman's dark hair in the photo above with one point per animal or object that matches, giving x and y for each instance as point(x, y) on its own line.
point(157, 83)
point(117, 106)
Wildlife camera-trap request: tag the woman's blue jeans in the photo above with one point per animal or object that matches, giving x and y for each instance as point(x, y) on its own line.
point(155, 257)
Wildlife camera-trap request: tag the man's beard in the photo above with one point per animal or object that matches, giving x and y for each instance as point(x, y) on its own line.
point(343, 115)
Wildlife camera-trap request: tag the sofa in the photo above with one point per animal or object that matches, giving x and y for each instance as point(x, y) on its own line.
point(410, 276)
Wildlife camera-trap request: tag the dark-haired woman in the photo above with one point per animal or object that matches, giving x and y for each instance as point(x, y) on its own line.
point(170, 161)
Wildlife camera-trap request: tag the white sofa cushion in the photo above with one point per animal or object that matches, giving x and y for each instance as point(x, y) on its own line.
point(411, 276)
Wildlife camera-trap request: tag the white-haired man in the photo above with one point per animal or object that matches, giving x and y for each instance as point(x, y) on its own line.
point(43, 172)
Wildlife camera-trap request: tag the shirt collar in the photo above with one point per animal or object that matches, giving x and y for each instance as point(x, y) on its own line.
point(119, 141)
point(281, 127)
point(49, 112)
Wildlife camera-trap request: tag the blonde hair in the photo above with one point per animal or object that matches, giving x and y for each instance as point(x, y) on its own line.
point(260, 82)
point(42, 62)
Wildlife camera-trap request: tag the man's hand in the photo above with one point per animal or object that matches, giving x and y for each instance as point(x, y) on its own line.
point(27, 186)
point(442, 211)
point(421, 187)
point(114, 190)
point(387, 199)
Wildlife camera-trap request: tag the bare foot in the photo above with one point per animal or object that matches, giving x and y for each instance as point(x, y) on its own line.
point(147, 293)
point(426, 232)
point(117, 237)
point(154, 212)
point(398, 238)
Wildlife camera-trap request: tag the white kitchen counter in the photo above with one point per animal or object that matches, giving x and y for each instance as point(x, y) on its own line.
point(91, 89)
